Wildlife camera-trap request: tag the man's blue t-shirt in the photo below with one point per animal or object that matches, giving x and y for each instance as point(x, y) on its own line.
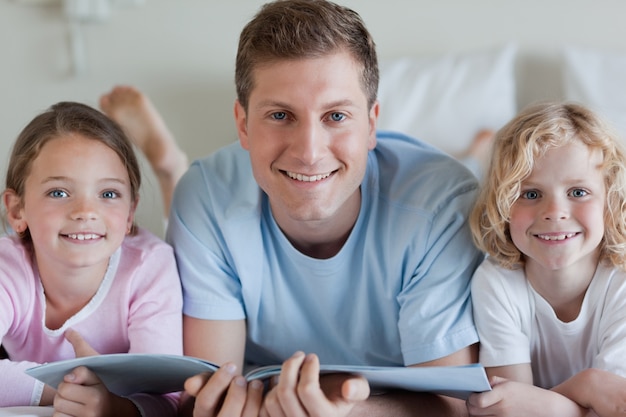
point(398, 292)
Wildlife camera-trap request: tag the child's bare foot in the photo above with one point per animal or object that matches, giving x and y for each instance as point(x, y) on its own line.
point(479, 151)
point(141, 121)
point(480, 148)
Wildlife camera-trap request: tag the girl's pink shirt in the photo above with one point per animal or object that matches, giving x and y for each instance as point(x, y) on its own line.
point(137, 309)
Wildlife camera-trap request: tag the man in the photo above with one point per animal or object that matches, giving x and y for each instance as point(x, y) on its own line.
point(313, 234)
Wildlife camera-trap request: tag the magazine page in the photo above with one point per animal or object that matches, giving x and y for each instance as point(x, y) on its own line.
point(129, 373)
point(454, 381)
point(126, 373)
point(26, 411)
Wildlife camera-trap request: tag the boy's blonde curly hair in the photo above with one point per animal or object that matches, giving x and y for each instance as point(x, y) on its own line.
point(516, 148)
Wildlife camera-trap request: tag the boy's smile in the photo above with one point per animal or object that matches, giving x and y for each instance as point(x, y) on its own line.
point(557, 222)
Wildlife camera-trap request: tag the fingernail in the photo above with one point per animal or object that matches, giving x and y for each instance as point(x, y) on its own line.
point(241, 381)
point(256, 384)
point(350, 391)
point(230, 368)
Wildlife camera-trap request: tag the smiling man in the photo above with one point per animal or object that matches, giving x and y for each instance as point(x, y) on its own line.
point(317, 234)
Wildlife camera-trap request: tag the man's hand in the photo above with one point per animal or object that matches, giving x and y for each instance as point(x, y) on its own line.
point(298, 392)
point(224, 394)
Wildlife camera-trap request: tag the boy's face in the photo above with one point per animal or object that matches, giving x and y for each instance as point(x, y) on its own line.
point(558, 220)
point(77, 204)
point(308, 130)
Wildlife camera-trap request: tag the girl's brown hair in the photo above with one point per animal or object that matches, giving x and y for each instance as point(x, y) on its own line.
point(66, 118)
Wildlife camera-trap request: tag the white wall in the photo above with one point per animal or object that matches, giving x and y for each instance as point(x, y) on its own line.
point(182, 54)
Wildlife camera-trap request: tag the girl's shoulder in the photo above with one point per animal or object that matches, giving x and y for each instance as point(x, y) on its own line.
point(17, 272)
point(144, 241)
point(144, 247)
point(14, 252)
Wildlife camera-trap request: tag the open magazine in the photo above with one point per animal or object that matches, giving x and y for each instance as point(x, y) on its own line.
point(129, 373)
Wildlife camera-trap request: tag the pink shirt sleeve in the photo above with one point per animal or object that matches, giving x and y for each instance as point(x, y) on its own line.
point(137, 309)
point(17, 295)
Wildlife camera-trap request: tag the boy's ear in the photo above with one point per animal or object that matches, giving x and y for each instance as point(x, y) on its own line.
point(15, 212)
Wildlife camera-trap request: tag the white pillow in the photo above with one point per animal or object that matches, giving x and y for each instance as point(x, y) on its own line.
point(597, 79)
point(446, 100)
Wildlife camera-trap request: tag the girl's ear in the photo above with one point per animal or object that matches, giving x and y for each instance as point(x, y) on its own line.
point(15, 211)
point(130, 222)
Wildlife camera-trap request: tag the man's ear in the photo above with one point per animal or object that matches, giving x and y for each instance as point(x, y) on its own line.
point(373, 123)
point(241, 123)
point(15, 210)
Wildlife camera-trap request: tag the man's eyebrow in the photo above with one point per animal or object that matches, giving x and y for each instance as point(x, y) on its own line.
point(273, 103)
point(341, 103)
point(329, 105)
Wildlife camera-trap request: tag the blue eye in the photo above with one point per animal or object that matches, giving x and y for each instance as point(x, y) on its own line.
point(281, 115)
point(109, 194)
point(57, 194)
point(337, 117)
point(530, 195)
point(578, 192)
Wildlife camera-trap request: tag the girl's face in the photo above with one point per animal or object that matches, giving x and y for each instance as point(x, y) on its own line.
point(77, 203)
point(558, 220)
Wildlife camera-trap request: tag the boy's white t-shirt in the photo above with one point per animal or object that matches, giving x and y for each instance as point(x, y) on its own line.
point(516, 325)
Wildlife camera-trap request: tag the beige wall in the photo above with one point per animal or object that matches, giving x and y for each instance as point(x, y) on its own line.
point(181, 53)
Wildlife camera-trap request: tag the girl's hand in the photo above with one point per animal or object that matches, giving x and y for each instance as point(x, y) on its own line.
point(80, 345)
point(82, 393)
point(298, 392)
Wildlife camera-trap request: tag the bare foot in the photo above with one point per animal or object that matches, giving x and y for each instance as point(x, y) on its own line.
point(141, 121)
point(480, 148)
point(479, 151)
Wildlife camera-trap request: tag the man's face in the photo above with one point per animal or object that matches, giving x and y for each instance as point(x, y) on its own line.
point(308, 130)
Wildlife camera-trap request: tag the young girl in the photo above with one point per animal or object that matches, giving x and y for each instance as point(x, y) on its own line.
point(550, 298)
point(77, 277)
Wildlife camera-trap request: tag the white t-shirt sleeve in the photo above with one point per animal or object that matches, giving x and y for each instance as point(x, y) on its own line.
point(502, 310)
point(612, 332)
